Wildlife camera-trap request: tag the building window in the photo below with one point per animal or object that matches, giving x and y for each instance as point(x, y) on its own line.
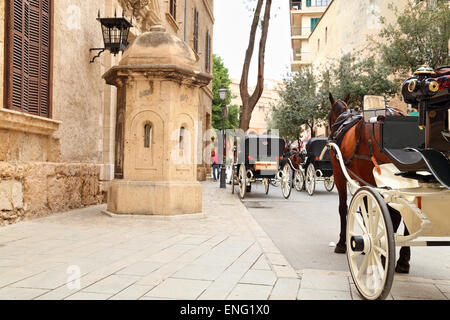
point(147, 135)
point(318, 45)
point(208, 52)
point(314, 22)
point(28, 56)
point(181, 141)
point(173, 8)
point(195, 29)
point(317, 3)
point(326, 35)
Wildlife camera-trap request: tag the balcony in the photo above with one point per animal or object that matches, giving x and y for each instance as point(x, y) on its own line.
point(309, 6)
point(296, 5)
point(300, 32)
point(301, 57)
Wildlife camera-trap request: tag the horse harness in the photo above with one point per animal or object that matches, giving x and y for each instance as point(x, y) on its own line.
point(343, 124)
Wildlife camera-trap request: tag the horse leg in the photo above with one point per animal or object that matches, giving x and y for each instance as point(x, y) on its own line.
point(405, 252)
point(405, 256)
point(341, 185)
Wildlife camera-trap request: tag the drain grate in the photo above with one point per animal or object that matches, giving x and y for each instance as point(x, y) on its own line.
point(257, 205)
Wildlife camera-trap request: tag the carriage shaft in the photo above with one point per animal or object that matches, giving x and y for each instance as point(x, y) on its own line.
point(425, 244)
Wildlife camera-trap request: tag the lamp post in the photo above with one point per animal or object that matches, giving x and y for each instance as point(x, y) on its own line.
point(223, 96)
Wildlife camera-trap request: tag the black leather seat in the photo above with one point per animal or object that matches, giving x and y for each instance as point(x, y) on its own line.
point(404, 160)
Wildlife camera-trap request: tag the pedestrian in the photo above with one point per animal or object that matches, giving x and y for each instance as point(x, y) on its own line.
point(215, 165)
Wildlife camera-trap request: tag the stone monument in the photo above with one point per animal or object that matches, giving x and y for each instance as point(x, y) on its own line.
point(158, 82)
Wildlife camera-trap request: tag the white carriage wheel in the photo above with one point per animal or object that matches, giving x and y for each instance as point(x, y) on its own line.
point(329, 183)
point(299, 180)
point(310, 179)
point(242, 181)
point(286, 185)
point(370, 237)
point(266, 185)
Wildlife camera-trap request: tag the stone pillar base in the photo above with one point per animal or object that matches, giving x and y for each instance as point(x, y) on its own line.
point(154, 198)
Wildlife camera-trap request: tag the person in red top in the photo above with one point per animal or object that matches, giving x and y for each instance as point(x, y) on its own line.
point(215, 165)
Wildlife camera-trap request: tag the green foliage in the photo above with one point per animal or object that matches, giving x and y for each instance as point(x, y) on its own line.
point(357, 78)
point(221, 78)
point(419, 36)
point(304, 99)
point(300, 104)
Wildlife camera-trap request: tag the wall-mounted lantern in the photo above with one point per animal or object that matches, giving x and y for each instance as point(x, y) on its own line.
point(115, 34)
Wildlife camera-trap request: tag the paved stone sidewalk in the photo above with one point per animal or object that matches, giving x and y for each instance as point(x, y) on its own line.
point(222, 254)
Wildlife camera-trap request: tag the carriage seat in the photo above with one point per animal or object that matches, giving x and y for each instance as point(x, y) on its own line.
point(414, 160)
point(406, 160)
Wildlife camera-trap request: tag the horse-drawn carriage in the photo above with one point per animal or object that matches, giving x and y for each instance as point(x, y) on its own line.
point(260, 158)
point(415, 183)
point(314, 168)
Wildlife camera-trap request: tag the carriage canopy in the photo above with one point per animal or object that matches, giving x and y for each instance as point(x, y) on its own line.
point(261, 148)
point(315, 146)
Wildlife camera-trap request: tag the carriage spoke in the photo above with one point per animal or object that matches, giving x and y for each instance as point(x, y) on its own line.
point(354, 254)
point(353, 234)
point(369, 271)
point(380, 250)
point(363, 267)
point(380, 267)
point(376, 219)
point(361, 224)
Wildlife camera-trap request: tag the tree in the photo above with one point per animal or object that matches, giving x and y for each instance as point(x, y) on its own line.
point(221, 78)
point(287, 121)
point(357, 78)
point(304, 98)
point(300, 104)
point(249, 101)
point(419, 36)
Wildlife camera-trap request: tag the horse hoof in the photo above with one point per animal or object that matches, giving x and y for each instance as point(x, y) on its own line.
point(340, 249)
point(402, 267)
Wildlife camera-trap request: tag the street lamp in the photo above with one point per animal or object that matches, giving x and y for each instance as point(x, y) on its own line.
point(115, 34)
point(223, 96)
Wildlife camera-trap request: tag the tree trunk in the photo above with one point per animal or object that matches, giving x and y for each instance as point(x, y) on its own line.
point(313, 133)
point(249, 101)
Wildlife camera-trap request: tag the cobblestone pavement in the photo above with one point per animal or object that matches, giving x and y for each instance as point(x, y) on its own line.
point(221, 254)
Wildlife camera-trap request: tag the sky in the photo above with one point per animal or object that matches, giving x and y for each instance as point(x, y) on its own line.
point(231, 36)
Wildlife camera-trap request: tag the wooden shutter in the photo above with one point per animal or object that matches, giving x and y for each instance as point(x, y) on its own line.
point(28, 57)
point(195, 29)
point(314, 22)
point(208, 52)
point(173, 8)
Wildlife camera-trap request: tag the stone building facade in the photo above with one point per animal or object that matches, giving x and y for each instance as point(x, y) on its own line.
point(57, 116)
point(347, 27)
point(305, 15)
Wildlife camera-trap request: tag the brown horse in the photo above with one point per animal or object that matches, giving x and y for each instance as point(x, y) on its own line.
point(361, 167)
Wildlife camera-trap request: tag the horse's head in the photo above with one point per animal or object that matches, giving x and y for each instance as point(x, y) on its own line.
point(337, 108)
point(296, 160)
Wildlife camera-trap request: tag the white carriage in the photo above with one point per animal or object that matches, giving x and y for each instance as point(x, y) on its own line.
point(416, 183)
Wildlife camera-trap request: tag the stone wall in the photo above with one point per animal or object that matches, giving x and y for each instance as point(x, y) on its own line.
point(39, 147)
point(36, 189)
